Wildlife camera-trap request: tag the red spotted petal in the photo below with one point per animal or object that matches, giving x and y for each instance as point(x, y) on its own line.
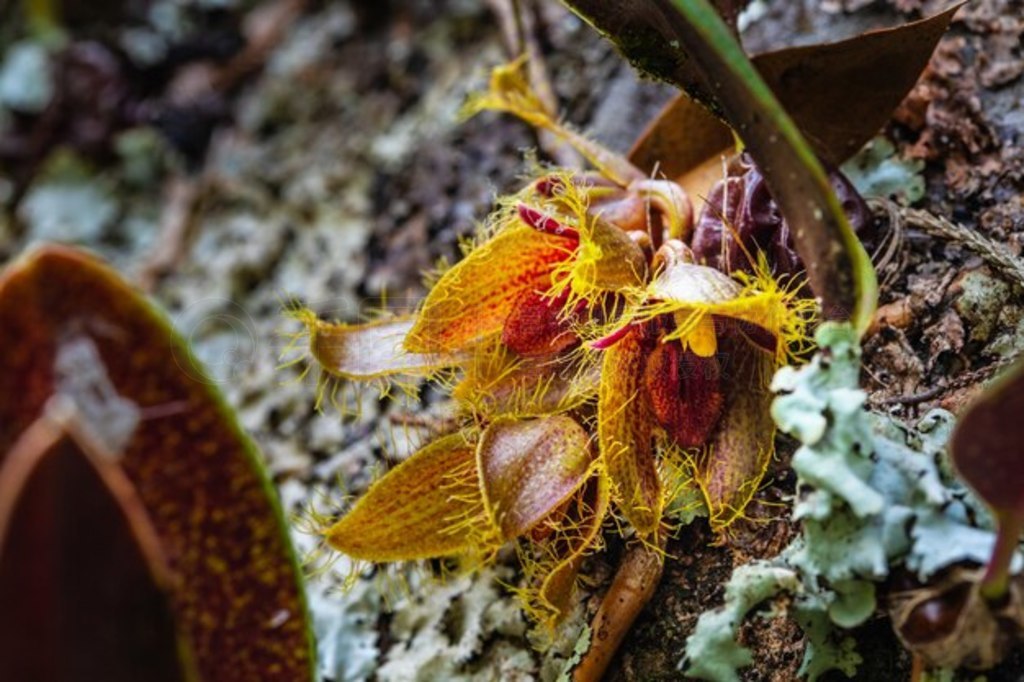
point(685, 394)
point(536, 325)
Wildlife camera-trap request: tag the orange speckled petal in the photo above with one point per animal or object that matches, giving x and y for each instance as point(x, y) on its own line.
point(418, 510)
point(473, 299)
point(625, 426)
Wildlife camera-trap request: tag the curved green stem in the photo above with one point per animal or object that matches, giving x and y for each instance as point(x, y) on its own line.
point(838, 267)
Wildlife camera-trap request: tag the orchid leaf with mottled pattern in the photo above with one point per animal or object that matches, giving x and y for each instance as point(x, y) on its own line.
point(74, 329)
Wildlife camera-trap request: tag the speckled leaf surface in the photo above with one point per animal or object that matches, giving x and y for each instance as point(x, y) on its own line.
point(197, 474)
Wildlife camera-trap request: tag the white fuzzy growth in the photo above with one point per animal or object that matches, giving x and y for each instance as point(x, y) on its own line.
point(864, 480)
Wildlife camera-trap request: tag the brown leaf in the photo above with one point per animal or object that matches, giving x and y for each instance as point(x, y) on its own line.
point(840, 94)
point(199, 477)
point(986, 444)
point(85, 588)
point(647, 32)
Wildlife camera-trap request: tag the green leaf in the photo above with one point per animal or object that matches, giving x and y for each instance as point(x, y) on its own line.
point(694, 48)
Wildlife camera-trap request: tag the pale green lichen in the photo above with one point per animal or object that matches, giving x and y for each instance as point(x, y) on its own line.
point(711, 651)
point(979, 299)
point(26, 84)
point(827, 648)
point(878, 171)
point(578, 651)
point(872, 494)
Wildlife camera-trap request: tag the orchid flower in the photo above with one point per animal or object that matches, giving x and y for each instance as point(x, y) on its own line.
point(690, 370)
point(579, 296)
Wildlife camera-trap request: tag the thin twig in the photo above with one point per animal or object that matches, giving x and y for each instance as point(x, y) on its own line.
point(519, 33)
point(177, 219)
point(265, 27)
point(887, 256)
point(965, 379)
point(993, 253)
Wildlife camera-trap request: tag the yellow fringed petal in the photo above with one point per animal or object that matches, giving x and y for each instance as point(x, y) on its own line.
point(498, 382)
point(554, 563)
point(624, 431)
point(696, 294)
point(608, 260)
point(733, 466)
point(363, 352)
point(510, 92)
point(767, 310)
point(472, 300)
point(418, 510)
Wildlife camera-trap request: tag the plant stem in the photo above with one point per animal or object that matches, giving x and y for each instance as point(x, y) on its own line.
point(838, 268)
point(633, 586)
point(997, 574)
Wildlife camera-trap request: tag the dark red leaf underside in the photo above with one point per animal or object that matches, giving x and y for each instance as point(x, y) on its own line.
point(197, 474)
